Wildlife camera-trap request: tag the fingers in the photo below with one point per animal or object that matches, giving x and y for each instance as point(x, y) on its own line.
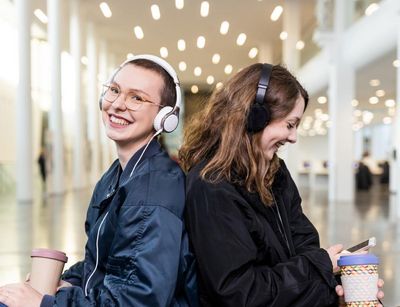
point(4, 296)
point(337, 248)
point(380, 283)
point(339, 290)
point(28, 277)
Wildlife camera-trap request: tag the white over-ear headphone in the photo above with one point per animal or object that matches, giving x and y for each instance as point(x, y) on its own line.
point(167, 119)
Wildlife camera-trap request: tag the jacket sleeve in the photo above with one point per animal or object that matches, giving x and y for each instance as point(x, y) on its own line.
point(226, 256)
point(74, 274)
point(142, 265)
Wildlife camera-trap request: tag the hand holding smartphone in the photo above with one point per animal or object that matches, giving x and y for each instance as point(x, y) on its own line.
point(363, 246)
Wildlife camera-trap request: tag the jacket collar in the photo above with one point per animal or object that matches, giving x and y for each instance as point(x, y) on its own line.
point(113, 178)
point(153, 148)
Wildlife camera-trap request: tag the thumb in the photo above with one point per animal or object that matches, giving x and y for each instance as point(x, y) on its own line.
point(28, 277)
point(337, 248)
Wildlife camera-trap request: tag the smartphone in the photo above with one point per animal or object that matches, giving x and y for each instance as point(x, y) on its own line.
point(363, 246)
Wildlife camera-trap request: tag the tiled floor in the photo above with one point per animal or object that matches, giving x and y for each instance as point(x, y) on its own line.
point(57, 222)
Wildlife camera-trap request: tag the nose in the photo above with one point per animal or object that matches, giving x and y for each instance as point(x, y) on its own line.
point(119, 103)
point(292, 138)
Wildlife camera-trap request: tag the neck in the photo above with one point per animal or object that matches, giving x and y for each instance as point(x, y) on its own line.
point(126, 151)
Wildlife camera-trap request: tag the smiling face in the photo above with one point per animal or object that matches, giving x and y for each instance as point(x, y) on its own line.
point(132, 129)
point(283, 130)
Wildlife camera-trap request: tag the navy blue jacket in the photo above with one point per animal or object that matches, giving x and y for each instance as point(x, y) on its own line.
point(143, 254)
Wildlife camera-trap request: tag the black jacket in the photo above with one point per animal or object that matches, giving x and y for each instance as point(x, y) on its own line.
point(242, 255)
point(143, 251)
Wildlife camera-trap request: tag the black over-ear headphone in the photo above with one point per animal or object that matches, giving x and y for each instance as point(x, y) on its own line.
point(167, 118)
point(259, 113)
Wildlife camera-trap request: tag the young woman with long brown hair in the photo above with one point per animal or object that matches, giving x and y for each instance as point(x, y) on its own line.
point(254, 246)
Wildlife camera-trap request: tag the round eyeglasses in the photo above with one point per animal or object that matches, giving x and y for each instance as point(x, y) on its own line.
point(133, 101)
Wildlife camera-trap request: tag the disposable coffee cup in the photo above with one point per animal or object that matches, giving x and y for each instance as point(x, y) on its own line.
point(359, 275)
point(47, 266)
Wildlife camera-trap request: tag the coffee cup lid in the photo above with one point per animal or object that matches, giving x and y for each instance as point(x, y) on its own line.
point(49, 253)
point(357, 259)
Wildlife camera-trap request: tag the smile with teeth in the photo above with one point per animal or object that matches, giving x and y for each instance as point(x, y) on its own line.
point(119, 121)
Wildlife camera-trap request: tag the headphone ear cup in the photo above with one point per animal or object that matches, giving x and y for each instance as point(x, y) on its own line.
point(165, 120)
point(259, 117)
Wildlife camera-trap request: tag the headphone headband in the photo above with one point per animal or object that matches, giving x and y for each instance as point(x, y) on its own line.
point(263, 83)
point(168, 68)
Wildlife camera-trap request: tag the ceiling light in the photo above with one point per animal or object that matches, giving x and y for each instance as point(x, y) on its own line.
point(390, 103)
point(210, 80)
point(216, 58)
point(396, 63)
point(164, 52)
point(300, 45)
point(276, 13)
point(129, 55)
point(374, 82)
point(138, 32)
point(317, 111)
point(219, 85)
point(380, 93)
point(228, 69)
point(367, 117)
point(253, 53)
point(354, 102)
point(387, 120)
point(181, 45)
point(322, 99)
point(311, 132)
point(182, 66)
point(392, 111)
point(155, 12)
point(194, 89)
point(105, 9)
point(283, 35)
point(371, 9)
point(357, 113)
point(197, 71)
point(201, 42)
point(179, 4)
point(84, 60)
point(241, 39)
point(373, 100)
point(204, 9)
point(224, 27)
point(41, 16)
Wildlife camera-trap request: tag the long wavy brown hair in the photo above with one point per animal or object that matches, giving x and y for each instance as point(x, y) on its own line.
point(218, 133)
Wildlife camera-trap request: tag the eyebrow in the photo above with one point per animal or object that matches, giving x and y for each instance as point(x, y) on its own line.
point(132, 89)
point(297, 119)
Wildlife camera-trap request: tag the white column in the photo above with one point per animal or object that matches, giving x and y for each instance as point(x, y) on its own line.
point(103, 64)
point(93, 96)
point(24, 106)
point(56, 127)
point(291, 58)
point(341, 92)
point(292, 25)
point(75, 46)
point(395, 154)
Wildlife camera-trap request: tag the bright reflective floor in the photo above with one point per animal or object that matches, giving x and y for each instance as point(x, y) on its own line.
point(58, 222)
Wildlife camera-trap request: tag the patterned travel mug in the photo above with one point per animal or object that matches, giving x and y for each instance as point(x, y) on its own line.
point(359, 276)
